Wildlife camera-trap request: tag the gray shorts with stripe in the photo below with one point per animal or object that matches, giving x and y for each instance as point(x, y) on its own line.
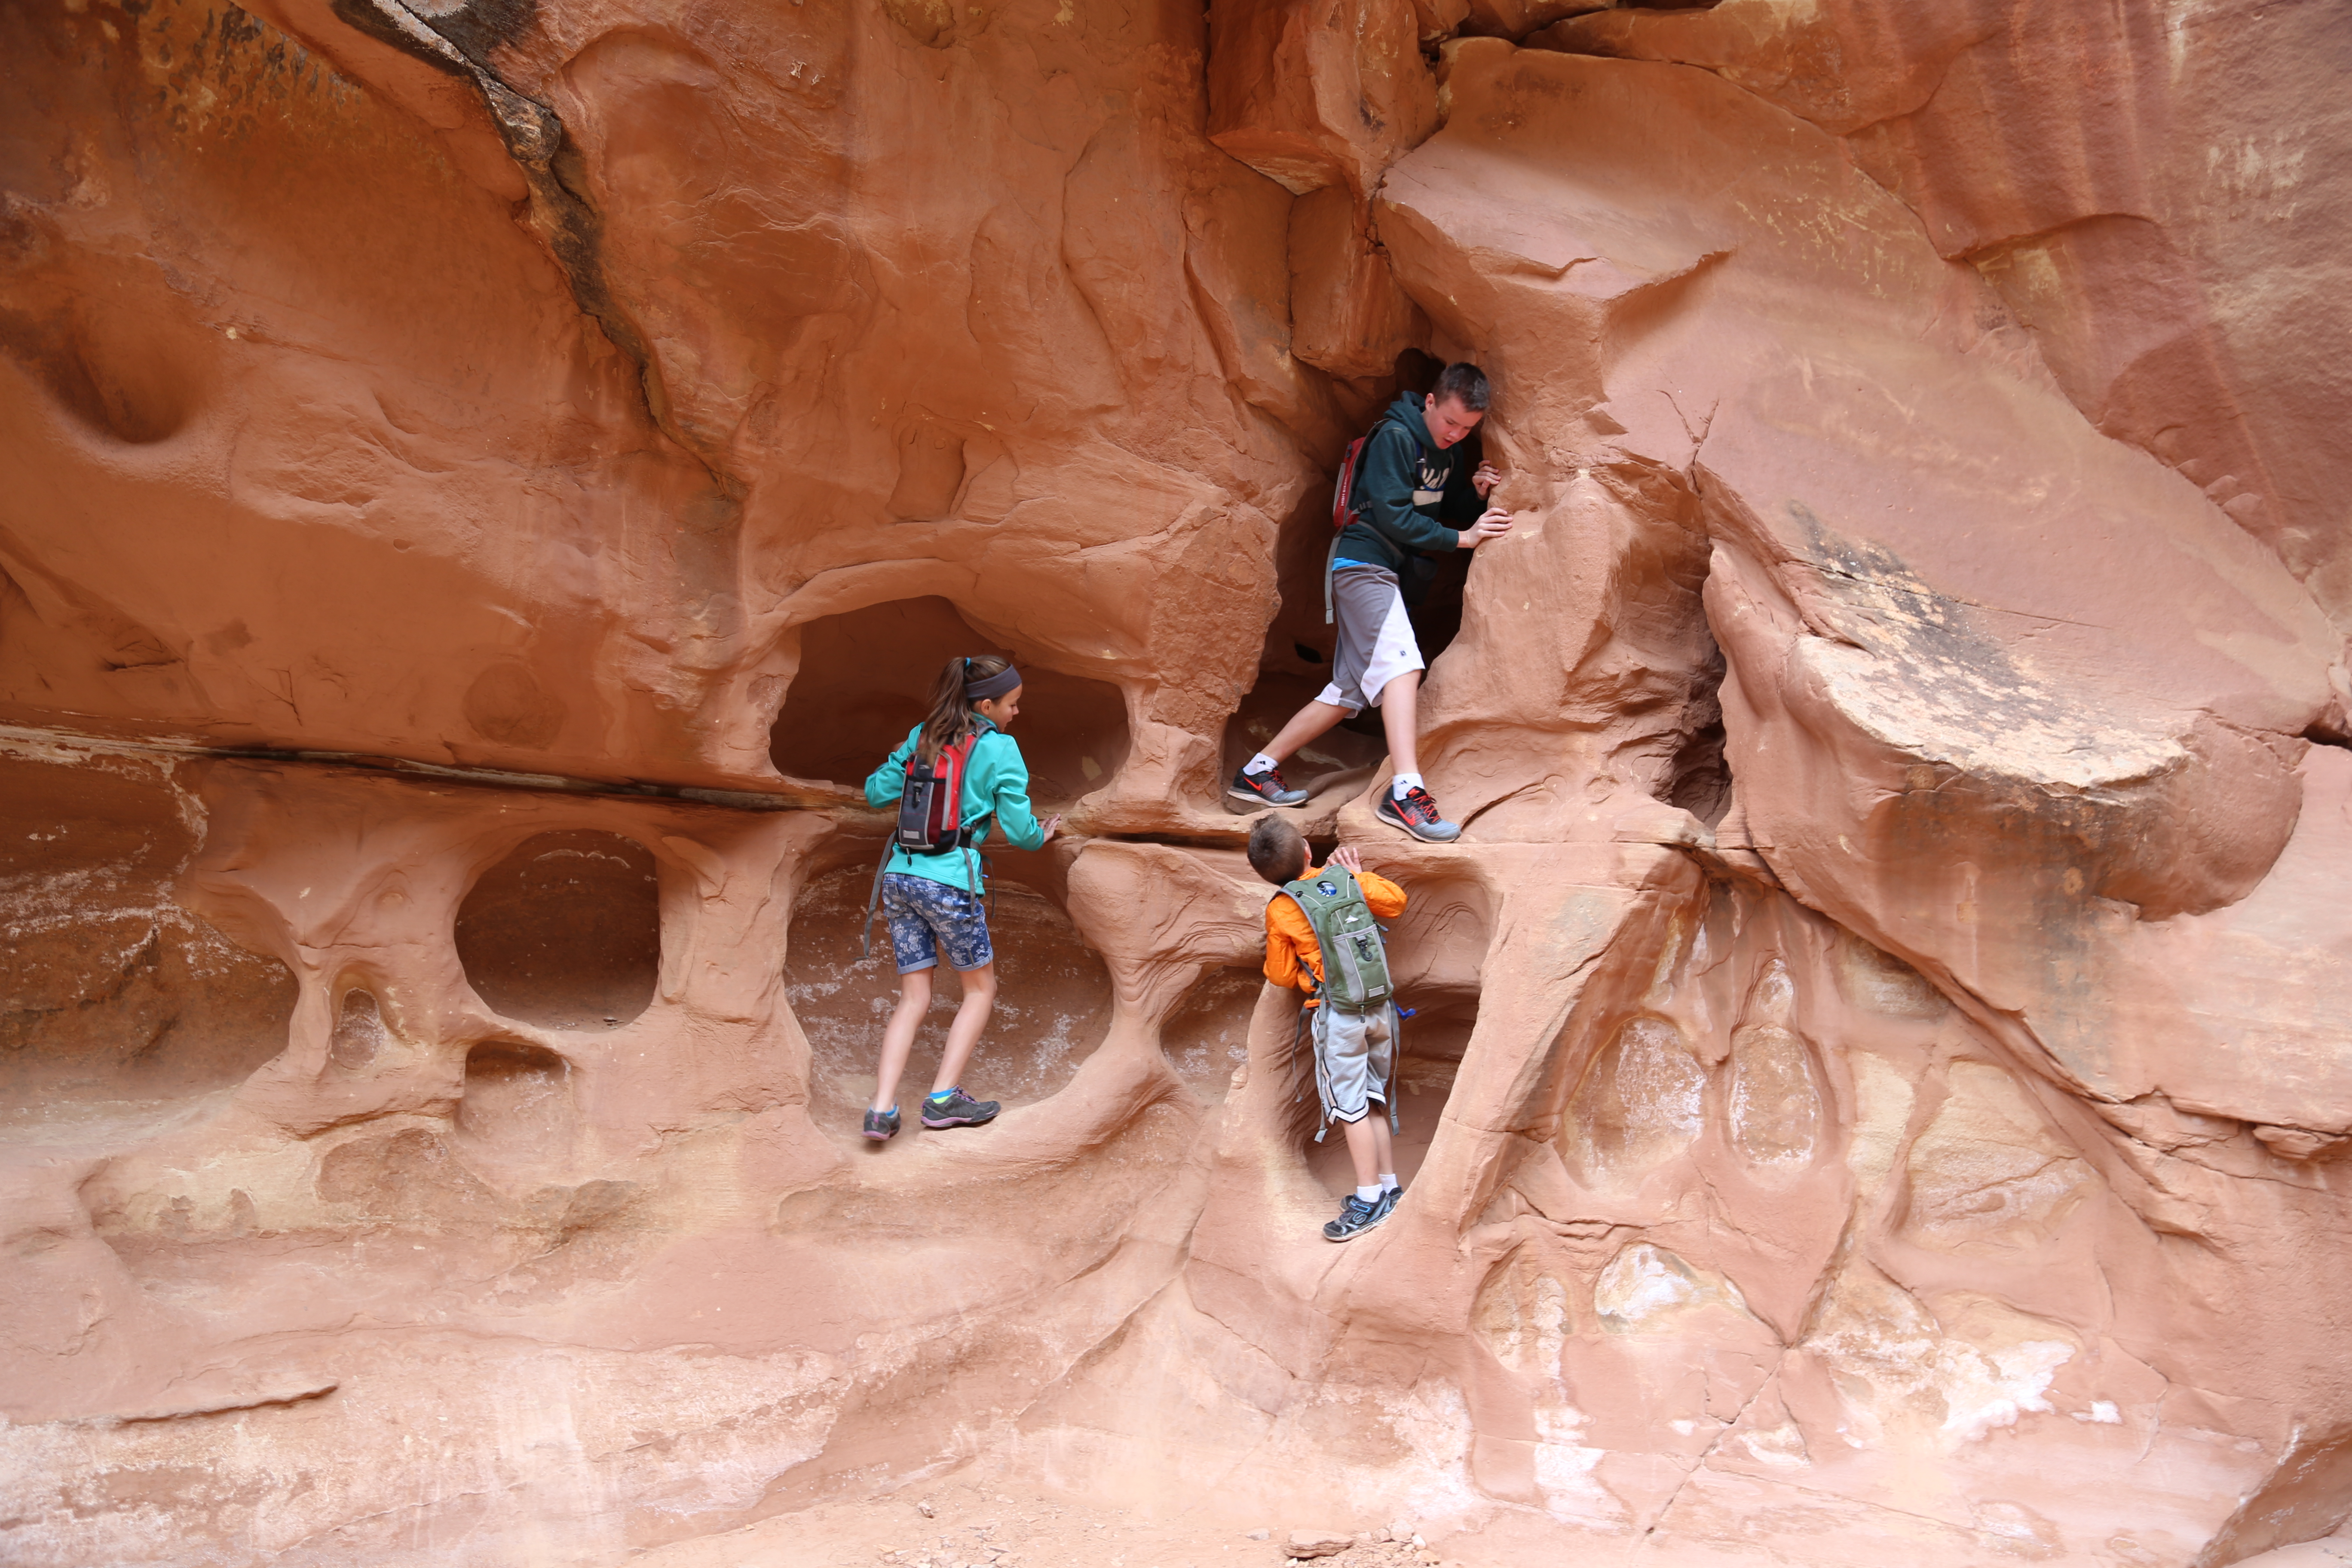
point(1355, 1054)
point(1376, 640)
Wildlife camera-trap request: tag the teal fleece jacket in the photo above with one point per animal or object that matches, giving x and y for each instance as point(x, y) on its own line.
point(1408, 494)
point(996, 793)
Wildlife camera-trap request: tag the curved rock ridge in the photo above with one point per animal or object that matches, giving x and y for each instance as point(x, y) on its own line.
point(491, 481)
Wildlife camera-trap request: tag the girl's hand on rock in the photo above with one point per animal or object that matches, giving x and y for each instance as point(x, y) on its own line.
point(1052, 826)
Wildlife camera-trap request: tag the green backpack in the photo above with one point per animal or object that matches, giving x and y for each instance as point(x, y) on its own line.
point(1355, 960)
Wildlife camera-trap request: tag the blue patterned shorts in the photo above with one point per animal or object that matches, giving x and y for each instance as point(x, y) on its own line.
point(926, 916)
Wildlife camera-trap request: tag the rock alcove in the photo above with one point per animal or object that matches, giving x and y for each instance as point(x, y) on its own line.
point(487, 482)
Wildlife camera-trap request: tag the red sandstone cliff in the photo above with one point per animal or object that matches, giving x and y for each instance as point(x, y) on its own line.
point(486, 480)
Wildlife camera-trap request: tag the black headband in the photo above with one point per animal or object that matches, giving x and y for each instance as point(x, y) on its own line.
point(988, 686)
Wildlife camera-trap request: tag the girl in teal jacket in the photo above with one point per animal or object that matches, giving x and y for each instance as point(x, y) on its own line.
point(935, 902)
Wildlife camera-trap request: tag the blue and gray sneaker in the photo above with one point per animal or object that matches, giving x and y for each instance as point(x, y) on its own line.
point(1357, 1217)
point(956, 1109)
point(1417, 814)
point(881, 1124)
point(1255, 791)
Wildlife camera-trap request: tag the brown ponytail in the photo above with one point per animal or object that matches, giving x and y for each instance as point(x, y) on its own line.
point(948, 718)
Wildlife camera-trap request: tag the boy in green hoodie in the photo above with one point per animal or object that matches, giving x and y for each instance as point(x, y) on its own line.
point(1416, 492)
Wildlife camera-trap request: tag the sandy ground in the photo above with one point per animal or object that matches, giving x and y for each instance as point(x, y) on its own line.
point(980, 1524)
point(958, 1524)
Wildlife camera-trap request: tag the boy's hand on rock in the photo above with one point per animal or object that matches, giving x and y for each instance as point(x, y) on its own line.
point(1348, 860)
point(1495, 523)
point(1486, 479)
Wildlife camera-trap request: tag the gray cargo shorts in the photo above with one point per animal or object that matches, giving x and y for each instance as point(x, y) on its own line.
point(1355, 1053)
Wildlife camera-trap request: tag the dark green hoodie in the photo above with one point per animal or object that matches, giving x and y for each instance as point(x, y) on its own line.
point(1409, 495)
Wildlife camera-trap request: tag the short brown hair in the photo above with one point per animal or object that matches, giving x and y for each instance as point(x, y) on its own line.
point(1465, 383)
point(1277, 851)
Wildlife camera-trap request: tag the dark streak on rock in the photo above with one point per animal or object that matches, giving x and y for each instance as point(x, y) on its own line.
point(561, 213)
point(255, 1401)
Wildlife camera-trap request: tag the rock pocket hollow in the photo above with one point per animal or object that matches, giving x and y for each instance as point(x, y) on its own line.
point(1052, 1001)
point(861, 687)
point(113, 992)
point(564, 932)
point(518, 1102)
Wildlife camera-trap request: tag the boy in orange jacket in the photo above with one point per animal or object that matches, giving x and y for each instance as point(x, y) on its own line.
point(1354, 1053)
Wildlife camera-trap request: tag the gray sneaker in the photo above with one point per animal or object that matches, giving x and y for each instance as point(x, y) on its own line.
point(959, 1111)
point(1254, 791)
point(1417, 814)
point(1357, 1217)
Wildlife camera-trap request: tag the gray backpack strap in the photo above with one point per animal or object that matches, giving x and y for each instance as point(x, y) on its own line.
point(975, 865)
point(1396, 1063)
point(1311, 1065)
point(872, 902)
point(1322, 1086)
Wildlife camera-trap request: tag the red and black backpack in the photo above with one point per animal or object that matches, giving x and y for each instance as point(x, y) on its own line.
point(1342, 514)
point(931, 807)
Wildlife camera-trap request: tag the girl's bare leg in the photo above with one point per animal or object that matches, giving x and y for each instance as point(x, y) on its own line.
point(972, 1017)
point(898, 1035)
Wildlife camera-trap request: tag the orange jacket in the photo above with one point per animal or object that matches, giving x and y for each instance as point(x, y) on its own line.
point(1291, 951)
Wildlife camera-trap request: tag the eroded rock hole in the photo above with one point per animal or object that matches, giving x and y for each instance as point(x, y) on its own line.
point(1432, 1043)
point(1052, 1001)
point(359, 1034)
point(1435, 949)
point(862, 682)
point(117, 381)
point(517, 1101)
point(1206, 1038)
point(116, 997)
point(1697, 778)
point(565, 932)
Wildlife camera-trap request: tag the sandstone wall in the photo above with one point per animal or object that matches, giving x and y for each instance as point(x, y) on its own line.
point(489, 478)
